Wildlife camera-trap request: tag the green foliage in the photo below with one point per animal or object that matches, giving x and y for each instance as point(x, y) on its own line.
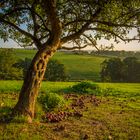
point(84, 87)
point(108, 91)
point(7, 68)
point(51, 101)
point(19, 119)
point(38, 111)
point(114, 19)
point(23, 64)
point(55, 70)
point(117, 70)
point(132, 69)
point(112, 70)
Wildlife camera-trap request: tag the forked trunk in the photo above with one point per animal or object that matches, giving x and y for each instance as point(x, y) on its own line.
point(31, 85)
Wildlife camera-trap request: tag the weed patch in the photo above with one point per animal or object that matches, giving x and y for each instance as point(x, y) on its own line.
point(84, 88)
point(51, 101)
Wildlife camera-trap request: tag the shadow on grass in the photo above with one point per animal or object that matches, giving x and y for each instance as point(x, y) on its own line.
point(5, 114)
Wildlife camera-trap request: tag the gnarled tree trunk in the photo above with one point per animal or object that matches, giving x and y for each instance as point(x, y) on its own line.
point(27, 98)
point(31, 85)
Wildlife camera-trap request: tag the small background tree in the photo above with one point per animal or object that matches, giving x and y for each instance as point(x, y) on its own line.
point(132, 69)
point(112, 70)
point(117, 70)
point(7, 68)
point(55, 70)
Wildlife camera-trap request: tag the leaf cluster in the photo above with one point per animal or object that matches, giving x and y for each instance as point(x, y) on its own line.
point(29, 22)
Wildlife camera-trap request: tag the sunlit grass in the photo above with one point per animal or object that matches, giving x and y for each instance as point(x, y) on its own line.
point(116, 117)
point(7, 86)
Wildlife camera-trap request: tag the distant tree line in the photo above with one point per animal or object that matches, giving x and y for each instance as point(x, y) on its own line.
point(117, 53)
point(113, 70)
point(12, 68)
point(110, 53)
point(117, 70)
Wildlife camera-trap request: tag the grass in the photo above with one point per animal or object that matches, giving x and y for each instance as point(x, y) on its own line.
point(81, 67)
point(7, 86)
point(78, 67)
point(22, 53)
point(122, 89)
point(14, 86)
point(116, 116)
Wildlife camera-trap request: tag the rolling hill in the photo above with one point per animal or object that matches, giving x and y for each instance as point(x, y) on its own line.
point(78, 67)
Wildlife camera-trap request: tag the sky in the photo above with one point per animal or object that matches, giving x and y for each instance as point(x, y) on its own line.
point(131, 46)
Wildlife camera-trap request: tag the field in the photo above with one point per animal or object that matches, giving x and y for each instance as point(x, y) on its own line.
point(78, 67)
point(112, 115)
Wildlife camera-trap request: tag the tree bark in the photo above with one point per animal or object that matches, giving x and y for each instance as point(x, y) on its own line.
point(28, 94)
point(27, 98)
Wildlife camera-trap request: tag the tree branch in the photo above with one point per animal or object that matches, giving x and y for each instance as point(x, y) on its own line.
point(56, 29)
point(73, 48)
point(17, 28)
point(114, 34)
point(33, 12)
point(34, 22)
point(114, 24)
point(107, 31)
point(36, 41)
point(131, 14)
point(82, 30)
point(92, 42)
point(75, 21)
point(13, 11)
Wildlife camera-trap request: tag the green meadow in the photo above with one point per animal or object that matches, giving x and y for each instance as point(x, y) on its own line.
point(78, 67)
point(116, 116)
point(113, 114)
point(8, 86)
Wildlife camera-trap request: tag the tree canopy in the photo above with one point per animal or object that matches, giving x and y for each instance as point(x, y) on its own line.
point(79, 21)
